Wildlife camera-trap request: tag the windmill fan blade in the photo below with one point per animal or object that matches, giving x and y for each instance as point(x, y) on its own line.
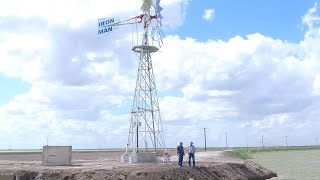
point(152, 34)
point(157, 2)
point(159, 16)
point(146, 5)
point(159, 8)
point(160, 36)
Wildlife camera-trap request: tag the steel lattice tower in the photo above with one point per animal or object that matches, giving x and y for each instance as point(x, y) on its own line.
point(146, 132)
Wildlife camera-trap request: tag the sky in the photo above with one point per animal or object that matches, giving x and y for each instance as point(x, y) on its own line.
point(248, 69)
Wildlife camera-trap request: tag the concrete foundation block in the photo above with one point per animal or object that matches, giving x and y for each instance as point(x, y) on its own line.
point(165, 158)
point(56, 155)
point(7, 177)
point(125, 158)
point(140, 157)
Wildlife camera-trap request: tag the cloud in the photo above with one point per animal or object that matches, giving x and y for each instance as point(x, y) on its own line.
point(224, 73)
point(311, 19)
point(72, 13)
point(268, 84)
point(316, 83)
point(82, 86)
point(208, 14)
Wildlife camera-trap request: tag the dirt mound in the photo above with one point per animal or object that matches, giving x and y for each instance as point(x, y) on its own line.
point(107, 165)
point(220, 171)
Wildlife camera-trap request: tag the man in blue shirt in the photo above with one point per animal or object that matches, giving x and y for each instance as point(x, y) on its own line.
point(180, 154)
point(191, 151)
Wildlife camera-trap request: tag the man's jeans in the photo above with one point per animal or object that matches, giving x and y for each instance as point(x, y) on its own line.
point(191, 155)
point(180, 160)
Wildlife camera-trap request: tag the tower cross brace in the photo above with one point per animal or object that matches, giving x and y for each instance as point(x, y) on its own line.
point(146, 132)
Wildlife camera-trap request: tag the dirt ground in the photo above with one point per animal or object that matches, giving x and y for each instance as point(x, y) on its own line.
point(107, 165)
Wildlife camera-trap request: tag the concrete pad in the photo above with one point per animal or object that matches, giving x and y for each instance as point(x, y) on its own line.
point(125, 158)
point(164, 158)
point(140, 157)
point(56, 155)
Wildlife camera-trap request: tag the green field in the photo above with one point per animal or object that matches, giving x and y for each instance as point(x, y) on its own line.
point(247, 153)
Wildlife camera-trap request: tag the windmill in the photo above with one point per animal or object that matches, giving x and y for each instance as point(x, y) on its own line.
point(146, 139)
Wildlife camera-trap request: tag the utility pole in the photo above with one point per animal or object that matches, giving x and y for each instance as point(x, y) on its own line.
point(317, 141)
point(205, 139)
point(227, 140)
point(262, 144)
point(247, 135)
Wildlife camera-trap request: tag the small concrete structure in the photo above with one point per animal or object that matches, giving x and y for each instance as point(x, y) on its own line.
point(56, 155)
point(7, 177)
point(140, 157)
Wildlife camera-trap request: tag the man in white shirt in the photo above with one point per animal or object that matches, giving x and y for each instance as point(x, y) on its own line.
point(191, 151)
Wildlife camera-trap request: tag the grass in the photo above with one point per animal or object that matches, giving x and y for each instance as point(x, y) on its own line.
point(246, 153)
point(241, 153)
